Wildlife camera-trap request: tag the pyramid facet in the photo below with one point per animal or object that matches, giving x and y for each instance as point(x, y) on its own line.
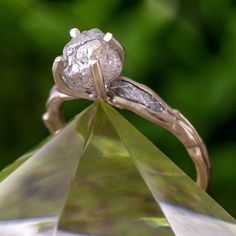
point(188, 208)
point(108, 195)
point(33, 195)
point(100, 176)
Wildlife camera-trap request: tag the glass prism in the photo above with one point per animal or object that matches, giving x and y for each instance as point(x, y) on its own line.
point(100, 176)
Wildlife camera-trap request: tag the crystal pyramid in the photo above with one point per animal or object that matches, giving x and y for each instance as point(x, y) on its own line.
point(100, 176)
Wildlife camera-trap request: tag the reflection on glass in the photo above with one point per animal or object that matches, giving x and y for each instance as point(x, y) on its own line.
point(100, 176)
point(32, 197)
point(108, 195)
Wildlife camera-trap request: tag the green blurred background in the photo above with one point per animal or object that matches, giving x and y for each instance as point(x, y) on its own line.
point(184, 50)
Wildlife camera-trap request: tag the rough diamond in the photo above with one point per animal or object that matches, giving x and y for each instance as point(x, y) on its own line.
point(84, 50)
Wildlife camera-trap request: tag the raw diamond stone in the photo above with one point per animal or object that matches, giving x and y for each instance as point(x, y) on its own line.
point(84, 50)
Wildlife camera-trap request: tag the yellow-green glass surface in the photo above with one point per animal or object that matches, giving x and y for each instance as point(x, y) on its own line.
point(33, 194)
point(189, 210)
point(108, 195)
point(100, 176)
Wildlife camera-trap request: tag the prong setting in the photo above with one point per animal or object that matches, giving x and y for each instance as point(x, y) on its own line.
point(108, 37)
point(98, 80)
point(57, 70)
point(82, 51)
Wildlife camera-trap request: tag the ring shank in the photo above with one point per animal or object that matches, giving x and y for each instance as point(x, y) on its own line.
point(53, 117)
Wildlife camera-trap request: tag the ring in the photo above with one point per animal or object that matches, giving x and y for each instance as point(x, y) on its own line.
point(90, 68)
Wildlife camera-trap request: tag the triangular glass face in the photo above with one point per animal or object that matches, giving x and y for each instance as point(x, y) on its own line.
point(33, 190)
point(118, 182)
point(108, 195)
point(189, 209)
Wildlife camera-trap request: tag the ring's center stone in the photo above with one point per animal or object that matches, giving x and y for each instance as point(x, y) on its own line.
point(83, 51)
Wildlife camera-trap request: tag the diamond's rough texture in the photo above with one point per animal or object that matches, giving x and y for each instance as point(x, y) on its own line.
point(84, 50)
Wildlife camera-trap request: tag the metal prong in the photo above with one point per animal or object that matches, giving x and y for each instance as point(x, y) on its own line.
point(53, 117)
point(98, 80)
point(108, 37)
point(74, 32)
point(57, 69)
